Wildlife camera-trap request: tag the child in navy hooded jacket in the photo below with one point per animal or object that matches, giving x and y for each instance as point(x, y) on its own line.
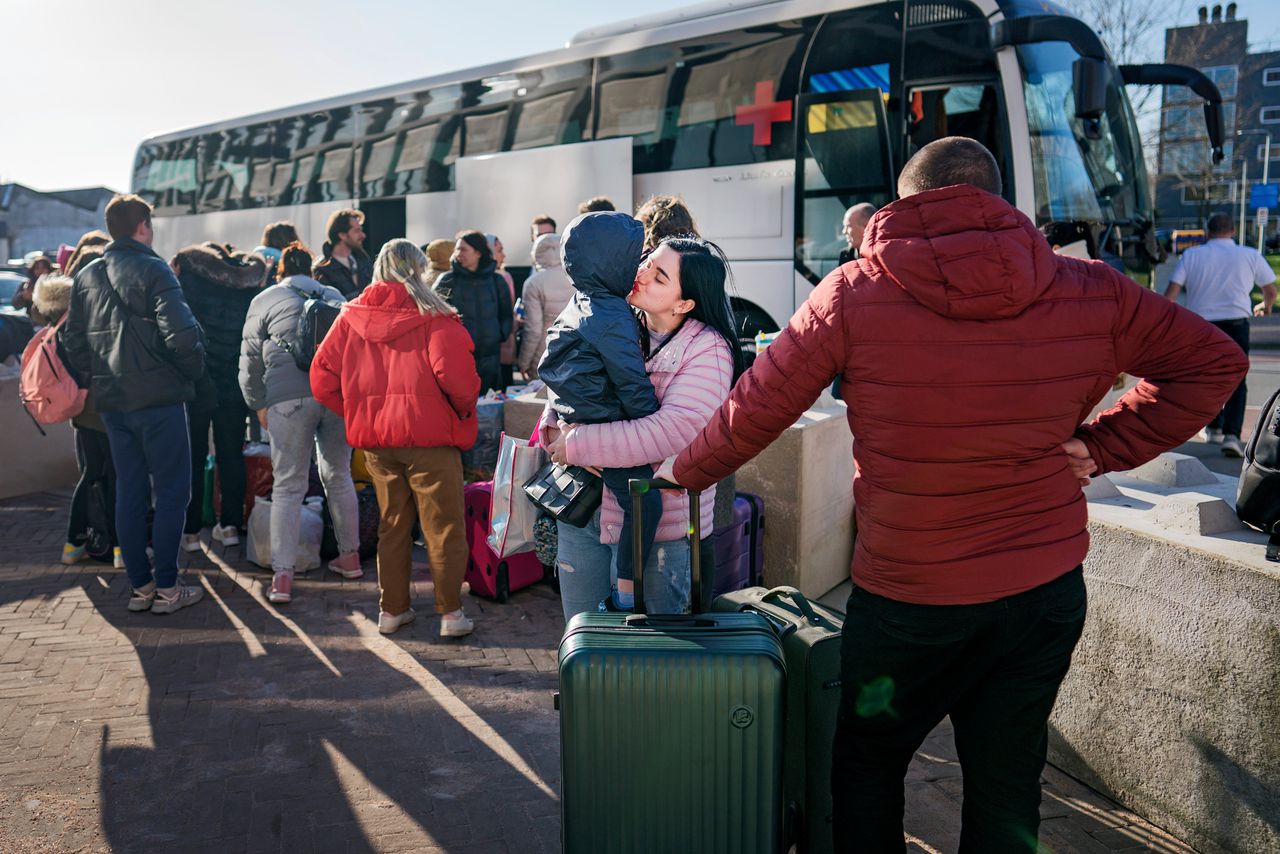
point(594, 363)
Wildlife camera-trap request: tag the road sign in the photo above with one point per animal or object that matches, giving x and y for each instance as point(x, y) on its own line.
point(1262, 217)
point(1264, 195)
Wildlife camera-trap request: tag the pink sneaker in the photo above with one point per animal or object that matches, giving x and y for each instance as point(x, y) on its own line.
point(347, 565)
point(281, 588)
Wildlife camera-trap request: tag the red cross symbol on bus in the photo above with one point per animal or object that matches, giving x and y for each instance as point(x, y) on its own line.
point(763, 113)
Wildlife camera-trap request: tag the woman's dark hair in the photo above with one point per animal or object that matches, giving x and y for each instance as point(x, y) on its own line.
point(280, 234)
point(663, 217)
point(705, 279)
point(295, 260)
point(477, 241)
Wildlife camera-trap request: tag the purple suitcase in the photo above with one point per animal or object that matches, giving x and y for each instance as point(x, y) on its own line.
point(733, 547)
point(757, 535)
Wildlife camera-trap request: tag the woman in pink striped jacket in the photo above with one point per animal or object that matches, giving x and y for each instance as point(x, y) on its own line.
point(692, 359)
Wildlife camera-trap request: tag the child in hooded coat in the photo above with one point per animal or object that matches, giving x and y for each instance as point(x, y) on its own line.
point(595, 365)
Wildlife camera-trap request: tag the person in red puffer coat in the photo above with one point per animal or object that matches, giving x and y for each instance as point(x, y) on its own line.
point(970, 355)
point(398, 367)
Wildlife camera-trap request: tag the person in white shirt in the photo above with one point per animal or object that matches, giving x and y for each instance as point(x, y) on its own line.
point(1219, 277)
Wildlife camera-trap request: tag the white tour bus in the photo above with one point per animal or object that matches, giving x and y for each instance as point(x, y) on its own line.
point(770, 119)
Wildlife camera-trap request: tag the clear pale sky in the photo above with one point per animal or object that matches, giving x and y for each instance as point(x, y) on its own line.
point(89, 80)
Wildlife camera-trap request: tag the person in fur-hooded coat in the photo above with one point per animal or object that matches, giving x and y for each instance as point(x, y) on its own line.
point(219, 283)
point(51, 298)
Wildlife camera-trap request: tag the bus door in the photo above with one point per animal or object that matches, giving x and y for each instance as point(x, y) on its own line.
point(842, 158)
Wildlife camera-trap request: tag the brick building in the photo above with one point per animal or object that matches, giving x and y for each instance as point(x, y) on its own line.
point(1188, 186)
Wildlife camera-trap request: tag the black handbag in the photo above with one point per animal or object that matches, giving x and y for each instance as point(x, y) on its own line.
point(569, 494)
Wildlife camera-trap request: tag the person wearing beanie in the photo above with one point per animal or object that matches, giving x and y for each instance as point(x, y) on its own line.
point(439, 252)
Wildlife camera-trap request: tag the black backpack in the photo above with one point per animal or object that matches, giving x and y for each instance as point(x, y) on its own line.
point(317, 318)
point(1258, 498)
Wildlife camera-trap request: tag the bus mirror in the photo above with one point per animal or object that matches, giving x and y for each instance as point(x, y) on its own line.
point(1089, 78)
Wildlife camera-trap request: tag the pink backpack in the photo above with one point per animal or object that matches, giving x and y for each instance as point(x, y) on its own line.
point(46, 387)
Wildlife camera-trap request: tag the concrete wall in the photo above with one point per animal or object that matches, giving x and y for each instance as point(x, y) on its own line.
point(30, 462)
point(1172, 705)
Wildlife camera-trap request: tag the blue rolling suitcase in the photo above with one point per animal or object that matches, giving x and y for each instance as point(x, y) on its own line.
point(671, 728)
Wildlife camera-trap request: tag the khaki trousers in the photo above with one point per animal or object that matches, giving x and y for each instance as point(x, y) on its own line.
point(423, 484)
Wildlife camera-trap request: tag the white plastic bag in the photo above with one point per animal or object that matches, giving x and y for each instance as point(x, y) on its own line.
point(310, 532)
point(512, 514)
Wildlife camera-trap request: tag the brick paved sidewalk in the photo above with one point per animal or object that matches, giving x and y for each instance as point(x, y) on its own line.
point(236, 726)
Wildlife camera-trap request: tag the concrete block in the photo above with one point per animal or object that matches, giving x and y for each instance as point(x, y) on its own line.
point(1196, 513)
point(1172, 469)
point(1100, 487)
point(30, 462)
point(1171, 702)
point(806, 480)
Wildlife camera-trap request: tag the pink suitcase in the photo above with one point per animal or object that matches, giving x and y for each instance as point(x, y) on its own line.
point(489, 575)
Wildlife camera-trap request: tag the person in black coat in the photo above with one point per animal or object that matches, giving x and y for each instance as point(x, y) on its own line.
point(219, 284)
point(131, 336)
point(474, 287)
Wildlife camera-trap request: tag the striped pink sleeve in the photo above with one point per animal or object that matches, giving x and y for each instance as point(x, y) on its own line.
point(694, 393)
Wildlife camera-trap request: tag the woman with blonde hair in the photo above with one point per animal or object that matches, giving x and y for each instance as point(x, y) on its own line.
point(398, 367)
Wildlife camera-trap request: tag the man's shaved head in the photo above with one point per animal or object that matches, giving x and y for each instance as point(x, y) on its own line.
point(947, 161)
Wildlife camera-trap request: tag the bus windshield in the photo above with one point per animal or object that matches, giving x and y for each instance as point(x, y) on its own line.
point(1078, 178)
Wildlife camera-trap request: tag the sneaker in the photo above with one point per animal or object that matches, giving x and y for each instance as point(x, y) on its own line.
point(191, 542)
point(1231, 447)
point(228, 535)
point(281, 588)
point(347, 565)
point(388, 623)
point(1213, 436)
point(176, 598)
point(117, 558)
point(143, 597)
point(72, 554)
point(456, 625)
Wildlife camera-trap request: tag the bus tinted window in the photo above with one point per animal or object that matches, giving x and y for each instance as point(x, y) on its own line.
point(699, 103)
point(165, 174)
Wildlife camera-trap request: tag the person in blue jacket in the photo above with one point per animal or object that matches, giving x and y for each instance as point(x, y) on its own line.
point(595, 365)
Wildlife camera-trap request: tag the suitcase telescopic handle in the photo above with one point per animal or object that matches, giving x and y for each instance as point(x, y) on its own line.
point(638, 487)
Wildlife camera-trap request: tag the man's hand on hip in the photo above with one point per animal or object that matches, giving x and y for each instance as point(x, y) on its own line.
point(1082, 464)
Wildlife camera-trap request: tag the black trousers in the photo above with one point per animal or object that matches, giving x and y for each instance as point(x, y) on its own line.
point(93, 455)
point(1231, 419)
point(995, 668)
point(228, 422)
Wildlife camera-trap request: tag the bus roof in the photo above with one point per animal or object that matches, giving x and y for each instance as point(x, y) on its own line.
point(692, 22)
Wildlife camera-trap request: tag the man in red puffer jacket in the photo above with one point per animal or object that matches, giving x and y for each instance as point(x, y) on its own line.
point(970, 354)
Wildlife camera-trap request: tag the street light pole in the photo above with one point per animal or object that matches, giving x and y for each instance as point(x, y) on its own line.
point(1244, 195)
point(1266, 166)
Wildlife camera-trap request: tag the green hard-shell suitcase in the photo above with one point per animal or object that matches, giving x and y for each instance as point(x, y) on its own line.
point(671, 728)
point(811, 643)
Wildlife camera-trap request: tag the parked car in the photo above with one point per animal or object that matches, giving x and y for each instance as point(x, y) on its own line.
point(9, 284)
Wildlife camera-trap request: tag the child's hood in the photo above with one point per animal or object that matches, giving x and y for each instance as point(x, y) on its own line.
point(601, 252)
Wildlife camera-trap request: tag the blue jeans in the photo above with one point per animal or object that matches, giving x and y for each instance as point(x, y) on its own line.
point(151, 451)
point(616, 480)
point(587, 569)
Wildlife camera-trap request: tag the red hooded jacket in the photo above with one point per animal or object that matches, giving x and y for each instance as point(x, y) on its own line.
point(399, 378)
point(969, 353)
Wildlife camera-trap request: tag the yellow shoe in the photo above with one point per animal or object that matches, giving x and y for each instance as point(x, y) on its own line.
point(117, 558)
point(72, 554)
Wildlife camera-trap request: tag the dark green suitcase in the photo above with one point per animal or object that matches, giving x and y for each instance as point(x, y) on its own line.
point(811, 643)
point(671, 731)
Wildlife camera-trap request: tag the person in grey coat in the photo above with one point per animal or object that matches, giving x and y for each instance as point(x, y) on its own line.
point(280, 392)
point(546, 293)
